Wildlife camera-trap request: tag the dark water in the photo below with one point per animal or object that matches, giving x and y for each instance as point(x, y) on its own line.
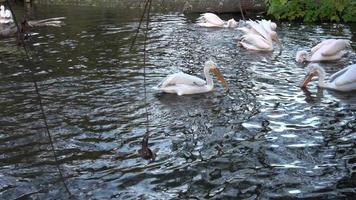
point(266, 139)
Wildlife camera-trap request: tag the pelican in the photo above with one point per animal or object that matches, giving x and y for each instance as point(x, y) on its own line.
point(259, 36)
point(212, 20)
point(343, 80)
point(5, 15)
point(327, 50)
point(255, 42)
point(182, 84)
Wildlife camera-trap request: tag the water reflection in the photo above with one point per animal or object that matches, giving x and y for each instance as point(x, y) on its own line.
point(265, 139)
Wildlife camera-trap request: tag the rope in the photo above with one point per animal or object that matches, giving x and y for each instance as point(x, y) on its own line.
point(145, 152)
point(139, 25)
point(144, 65)
point(241, 11)
point(39, 99)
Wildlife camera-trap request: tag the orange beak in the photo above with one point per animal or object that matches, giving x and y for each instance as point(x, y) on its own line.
point(306, 80)
point(220, 77)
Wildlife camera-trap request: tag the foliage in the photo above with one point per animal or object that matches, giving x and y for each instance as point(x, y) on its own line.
point(313, 10)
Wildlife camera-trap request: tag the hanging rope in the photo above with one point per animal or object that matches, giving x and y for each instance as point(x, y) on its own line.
point(144, 64)
point(241, 11)
point(139, 25)
point(145, 152)
point(39, 98)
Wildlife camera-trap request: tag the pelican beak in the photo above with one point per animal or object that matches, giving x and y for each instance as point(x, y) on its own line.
point(220, 77)
point(306, 80)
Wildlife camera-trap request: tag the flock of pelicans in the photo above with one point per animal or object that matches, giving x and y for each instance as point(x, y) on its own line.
point(259, 36)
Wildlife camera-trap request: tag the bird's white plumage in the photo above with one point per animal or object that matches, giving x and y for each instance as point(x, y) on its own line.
point(258, 28)
point(212, 20)
point(327, 50)
point(256, 42)
point(5, 15)
point(343, 80)
point(258, 35)
point(348, 77)
point(182, 84)
point(181, 78)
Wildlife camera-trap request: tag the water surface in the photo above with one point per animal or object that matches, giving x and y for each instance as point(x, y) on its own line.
point(265, 139)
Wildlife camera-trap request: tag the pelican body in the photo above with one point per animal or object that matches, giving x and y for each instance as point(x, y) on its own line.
point(343, 80)
point(212, 20)
point(5, 15)
point(185, 84)
point(259, 35)
point(327, 50)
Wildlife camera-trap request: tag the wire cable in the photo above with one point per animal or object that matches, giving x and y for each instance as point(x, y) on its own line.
point(39, 99)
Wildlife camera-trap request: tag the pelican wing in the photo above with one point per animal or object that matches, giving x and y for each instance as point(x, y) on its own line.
point(210, 18)
point(258, 28)
point(207, 25)
point(322, 43)
point(266, 25)
point(246, 30)
point(181, 78)
point(345, 76)
point(255, 42)
point(333, 47)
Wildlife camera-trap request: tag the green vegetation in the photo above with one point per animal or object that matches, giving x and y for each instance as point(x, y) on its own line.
point(313, 10)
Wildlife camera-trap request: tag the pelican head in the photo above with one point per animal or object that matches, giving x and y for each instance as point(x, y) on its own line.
point(347, 43)
point(214, 69)
point(231, 23)
point(301, 56)
point(273, 26)
point(314, 70)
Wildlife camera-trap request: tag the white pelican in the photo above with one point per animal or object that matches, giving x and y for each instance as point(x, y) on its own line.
point(327, 50)
point(212, 20)
point(256, 42)
point(182, 84)
point(268, 24)
point(5, 15)
point(343, 80)
point(259, 36)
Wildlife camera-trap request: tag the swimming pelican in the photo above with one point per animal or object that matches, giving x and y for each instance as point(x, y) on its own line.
point(255, 42)
point(327, 50)
point(182, 84)
point(259, 36)
point(212, 20)
point(5, 15)
point(343, 80)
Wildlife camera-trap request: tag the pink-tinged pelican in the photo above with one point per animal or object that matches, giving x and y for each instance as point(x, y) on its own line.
point(212, 20)
point(256, 42)
point(182, 84)
point(5, 15)
point(259, 36)
point(343, 80)
point(327, 50)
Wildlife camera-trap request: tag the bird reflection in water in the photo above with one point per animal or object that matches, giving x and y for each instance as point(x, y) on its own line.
point(313, 99)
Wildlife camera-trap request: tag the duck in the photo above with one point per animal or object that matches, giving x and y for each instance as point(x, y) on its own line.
point(327, 50)
point(212, 20)
point(343, 80)
point(184, 84)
